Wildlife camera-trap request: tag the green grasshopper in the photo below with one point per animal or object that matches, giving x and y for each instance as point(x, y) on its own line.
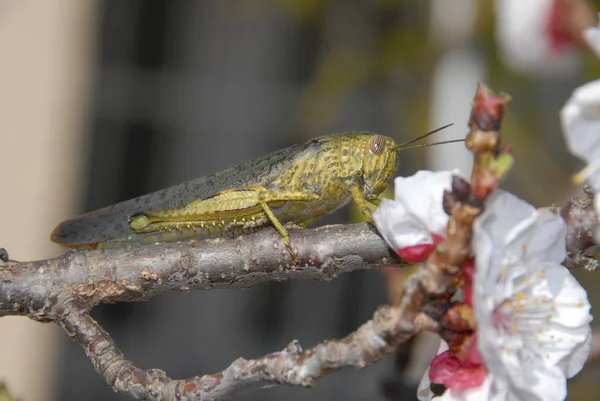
point(298, 184)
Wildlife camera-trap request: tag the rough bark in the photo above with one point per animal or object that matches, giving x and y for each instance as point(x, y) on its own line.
point(64, 289)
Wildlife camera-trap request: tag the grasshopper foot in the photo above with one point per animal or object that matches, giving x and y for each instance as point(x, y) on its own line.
point(293, 254)
point(366, 211)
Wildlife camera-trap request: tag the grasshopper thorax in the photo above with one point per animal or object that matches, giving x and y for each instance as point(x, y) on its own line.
point(379, 164)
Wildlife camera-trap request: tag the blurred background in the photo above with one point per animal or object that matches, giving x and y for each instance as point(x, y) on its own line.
point(101, 101)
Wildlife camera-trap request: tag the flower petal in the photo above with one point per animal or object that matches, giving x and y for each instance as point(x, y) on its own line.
point(485, 391)
point(417, 211)
point(540, 237)
point(592, 37)
point(580, 119)
point(524, 42)
point(448, 370)
point(422, 195)
point(573, 365)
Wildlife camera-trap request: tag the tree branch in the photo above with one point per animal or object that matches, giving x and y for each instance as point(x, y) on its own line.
point(64, 289)
point(135, 274)
point(371, 342)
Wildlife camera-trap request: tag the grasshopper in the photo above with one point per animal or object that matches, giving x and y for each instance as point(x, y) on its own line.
point(298, 184)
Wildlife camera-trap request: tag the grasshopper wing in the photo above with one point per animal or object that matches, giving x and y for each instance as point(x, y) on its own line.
point(112, 222)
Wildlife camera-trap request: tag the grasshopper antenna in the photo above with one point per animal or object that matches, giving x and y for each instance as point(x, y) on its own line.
point(424, 145)
point(401, 145)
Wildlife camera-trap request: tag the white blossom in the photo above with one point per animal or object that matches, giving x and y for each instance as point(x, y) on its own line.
point(529, 38)
point(592, 37)
point(533, 316)
point(416, 213)
point(580, 118)
point(533, 322)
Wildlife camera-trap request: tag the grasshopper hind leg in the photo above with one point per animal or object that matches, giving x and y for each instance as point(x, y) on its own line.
point(281, 229)
point(139, 220)
point(267, 196)
point(229, 212)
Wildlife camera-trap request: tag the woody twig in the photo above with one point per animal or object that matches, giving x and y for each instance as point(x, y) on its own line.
point(63, 290)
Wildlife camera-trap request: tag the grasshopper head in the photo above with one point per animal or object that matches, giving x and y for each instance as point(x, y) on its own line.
point(381, 158)
point(379, 165)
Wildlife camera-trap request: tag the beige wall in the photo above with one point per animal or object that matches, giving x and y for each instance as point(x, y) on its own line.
point(47, 55)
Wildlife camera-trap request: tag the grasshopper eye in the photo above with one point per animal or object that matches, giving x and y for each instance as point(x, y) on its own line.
point(377, 144)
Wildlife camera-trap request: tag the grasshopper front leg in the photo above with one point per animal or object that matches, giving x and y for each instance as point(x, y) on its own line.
point(376, 202)
point(363, 204)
